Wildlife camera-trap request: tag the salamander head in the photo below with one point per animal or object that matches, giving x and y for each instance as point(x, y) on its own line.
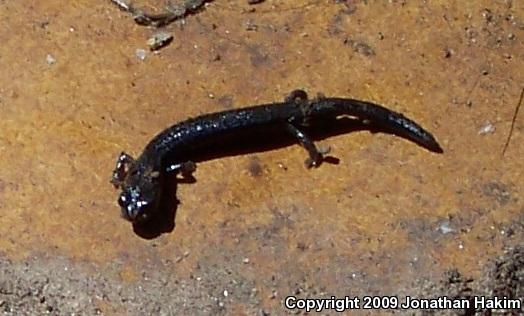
point(140, 196)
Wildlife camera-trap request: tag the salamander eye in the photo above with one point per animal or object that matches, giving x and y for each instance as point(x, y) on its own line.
point(122, 200)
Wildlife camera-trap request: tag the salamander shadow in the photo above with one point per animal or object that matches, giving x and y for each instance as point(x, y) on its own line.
point(246, 143)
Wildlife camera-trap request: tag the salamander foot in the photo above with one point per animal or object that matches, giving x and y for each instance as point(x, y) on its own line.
point(121, 167)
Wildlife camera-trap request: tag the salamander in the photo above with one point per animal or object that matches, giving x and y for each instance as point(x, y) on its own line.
point(142, 180)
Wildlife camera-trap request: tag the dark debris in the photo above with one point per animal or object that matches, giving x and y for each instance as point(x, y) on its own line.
point(174, 12)
point(503, 278)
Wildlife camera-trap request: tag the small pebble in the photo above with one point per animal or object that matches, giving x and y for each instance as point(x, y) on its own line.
point(159, 40)
point(445, 228)
point(488, 128)
point(50, 59)
point(448, 52)
point(140, 53)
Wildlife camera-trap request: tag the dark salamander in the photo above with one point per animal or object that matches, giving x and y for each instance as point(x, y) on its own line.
point(142, 180)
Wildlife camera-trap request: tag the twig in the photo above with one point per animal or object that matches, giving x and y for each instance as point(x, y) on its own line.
point(513, 121)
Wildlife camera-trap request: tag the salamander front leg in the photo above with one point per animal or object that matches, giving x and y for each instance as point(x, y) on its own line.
point(121, 167)
point(185, 168)
point(315, 155)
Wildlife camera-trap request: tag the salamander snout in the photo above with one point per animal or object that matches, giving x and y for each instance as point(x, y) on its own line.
point(136, 206)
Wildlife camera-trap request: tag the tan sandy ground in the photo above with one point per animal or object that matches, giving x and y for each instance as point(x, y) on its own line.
point(258, 227)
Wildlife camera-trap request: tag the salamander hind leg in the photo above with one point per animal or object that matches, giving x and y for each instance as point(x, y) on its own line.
point(121, 167)
point(297, 96)
point(316, 156)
